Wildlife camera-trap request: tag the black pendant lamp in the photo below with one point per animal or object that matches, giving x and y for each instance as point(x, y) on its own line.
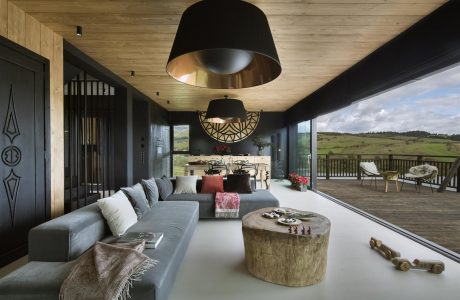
point(226, 111)
point(223, 44)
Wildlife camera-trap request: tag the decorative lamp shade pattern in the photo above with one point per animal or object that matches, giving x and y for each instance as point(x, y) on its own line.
point(224, 44)
point(230, 132)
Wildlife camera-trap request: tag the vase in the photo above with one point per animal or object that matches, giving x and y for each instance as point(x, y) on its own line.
point(300, 187)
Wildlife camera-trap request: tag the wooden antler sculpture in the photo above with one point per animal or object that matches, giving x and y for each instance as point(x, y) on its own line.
point(433, 266)
point(383, 249)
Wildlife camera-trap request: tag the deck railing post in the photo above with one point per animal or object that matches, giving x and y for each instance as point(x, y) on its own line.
point(458, 180)
point(327, 166)
point(390, 162)
point(358, 169)
point(419, 159)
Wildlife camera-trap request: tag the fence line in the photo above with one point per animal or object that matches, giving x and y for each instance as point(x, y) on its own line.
point(347, 165)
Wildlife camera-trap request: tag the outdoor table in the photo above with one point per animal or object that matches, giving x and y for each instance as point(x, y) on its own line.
point(391, 176)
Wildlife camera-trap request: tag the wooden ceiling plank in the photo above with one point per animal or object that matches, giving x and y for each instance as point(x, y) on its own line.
point(316, 41)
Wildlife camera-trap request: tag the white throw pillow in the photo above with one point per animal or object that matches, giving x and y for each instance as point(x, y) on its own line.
point(118, 212)
point(185, 185)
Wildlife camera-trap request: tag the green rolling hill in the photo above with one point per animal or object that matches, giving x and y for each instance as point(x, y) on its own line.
point(387, 143)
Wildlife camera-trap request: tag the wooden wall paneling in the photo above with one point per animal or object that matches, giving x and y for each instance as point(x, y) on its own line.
point(4, 18)
point(33, 34)
point(16, 24)
point(52, 48)
point(46, 42)
point(57, 126)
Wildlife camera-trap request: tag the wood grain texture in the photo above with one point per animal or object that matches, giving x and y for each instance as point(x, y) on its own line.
point(57, 125)
point(46, 42)
point(33, 34)
point(433, 216)
point(4, 18)
point(274, 255)
point(16, 24)
point(316, 41)
point(52, 48)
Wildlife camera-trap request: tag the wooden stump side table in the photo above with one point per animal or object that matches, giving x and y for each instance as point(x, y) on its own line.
point(274, 255)
point(390, 176)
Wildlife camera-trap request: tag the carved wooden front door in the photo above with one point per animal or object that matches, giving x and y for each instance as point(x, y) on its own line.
point(23, 172)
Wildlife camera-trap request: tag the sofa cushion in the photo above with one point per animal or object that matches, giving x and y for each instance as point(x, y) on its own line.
point(118, 212)
point(165, 187)
point(185, 185)
point(177, 220)
point(137, 198)
point(35, 280)
point(212, 184)
point(239, 183)
point(67, 237)
point(248, 202)
point(151, 191)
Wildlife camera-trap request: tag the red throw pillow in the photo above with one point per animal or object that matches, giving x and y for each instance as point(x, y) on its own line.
point(212, 184)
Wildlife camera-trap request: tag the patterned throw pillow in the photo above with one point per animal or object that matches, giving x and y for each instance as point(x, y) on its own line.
point(151, 191)
point(212, 184)
point(137, 198)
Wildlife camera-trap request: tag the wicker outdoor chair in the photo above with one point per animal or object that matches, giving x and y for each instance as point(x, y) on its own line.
point(420, 174)
point(369, 169)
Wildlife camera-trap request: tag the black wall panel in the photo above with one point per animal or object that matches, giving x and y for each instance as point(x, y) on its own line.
point(159, 149)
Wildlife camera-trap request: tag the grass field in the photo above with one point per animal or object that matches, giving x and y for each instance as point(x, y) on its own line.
point(370, 143)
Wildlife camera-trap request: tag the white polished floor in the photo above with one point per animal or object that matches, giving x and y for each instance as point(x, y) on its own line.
point(213, 267)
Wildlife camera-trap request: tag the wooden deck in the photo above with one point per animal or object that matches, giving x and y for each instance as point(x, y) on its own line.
point(433, 216)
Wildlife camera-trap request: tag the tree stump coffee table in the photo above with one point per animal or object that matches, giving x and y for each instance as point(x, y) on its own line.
point(275, 255)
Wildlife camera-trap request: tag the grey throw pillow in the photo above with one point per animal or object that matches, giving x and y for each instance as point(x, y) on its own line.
point(165, 187)
point(151, 191)
point(137, 198)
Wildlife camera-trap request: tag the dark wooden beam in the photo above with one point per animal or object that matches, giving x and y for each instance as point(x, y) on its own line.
point(431, 44)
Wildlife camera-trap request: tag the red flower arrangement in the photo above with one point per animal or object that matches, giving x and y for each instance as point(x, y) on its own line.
point(222, 149)
point(297, 179)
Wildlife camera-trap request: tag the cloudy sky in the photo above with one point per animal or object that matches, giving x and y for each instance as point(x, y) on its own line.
point(431, 104)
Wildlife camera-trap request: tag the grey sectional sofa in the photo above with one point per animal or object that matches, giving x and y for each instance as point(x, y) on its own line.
point(54, 246)
point(248, 202)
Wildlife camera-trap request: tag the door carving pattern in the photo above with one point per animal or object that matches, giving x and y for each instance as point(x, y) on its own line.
point(11, 155)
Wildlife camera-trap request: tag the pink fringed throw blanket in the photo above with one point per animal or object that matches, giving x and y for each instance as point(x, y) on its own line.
point(106, 272)
point(227, 205)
